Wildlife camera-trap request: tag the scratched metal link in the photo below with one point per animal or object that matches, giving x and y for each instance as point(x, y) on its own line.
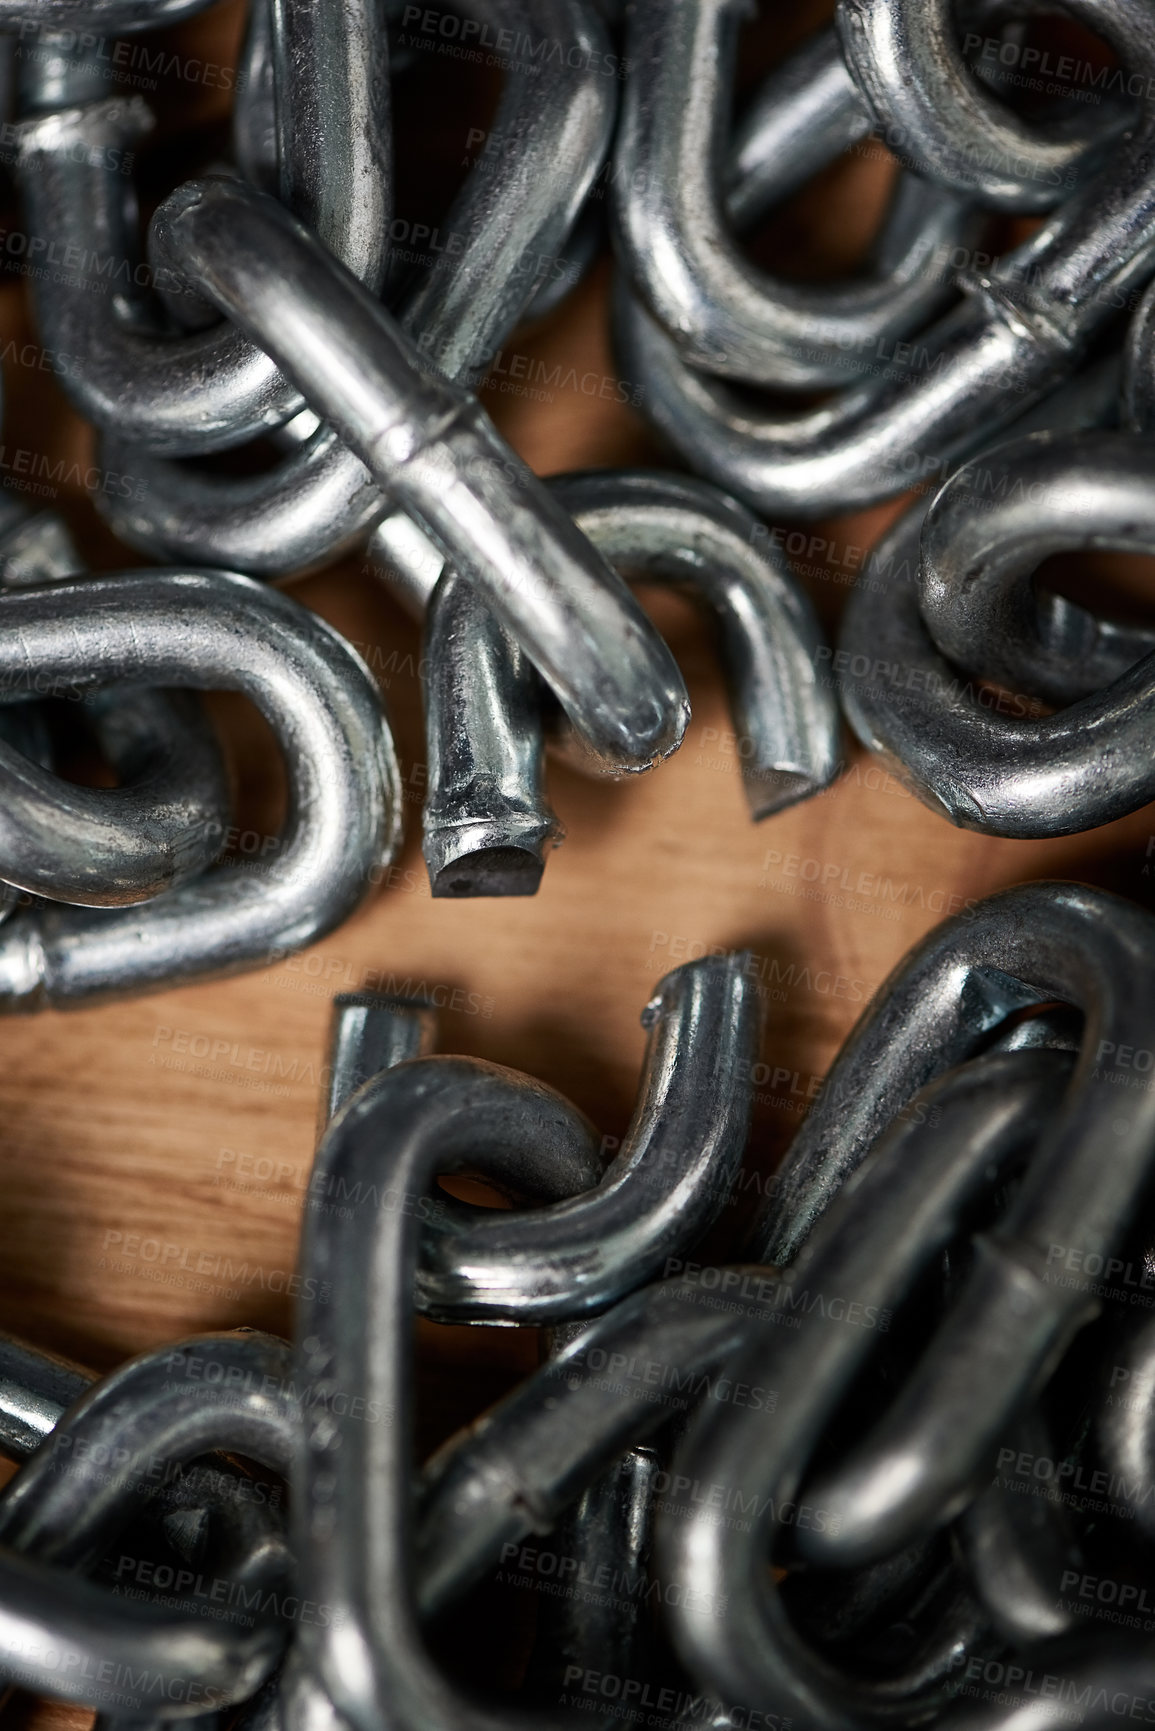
point(954, 1160)
point(487, 825)
point(951, 605)
point(881, 1451)
point(1020, 328)
point(951, 1169)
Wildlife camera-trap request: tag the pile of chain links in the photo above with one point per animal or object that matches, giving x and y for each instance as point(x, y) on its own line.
point(892, 1458)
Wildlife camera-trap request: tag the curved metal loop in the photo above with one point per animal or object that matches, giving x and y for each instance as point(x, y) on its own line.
point(452, 1114)
point(920, 1602)
point(516, 209)
point(1021, 330)
point(518, 206)
point(1084, 948)
point(672, 529)
point(906, 60)
point(58, 1633)
point(517, 1469)
point(207, 389)
point(995, 520)
point(163, 824)
point(318, 503)
point(165, 820)
point(723, 314)
point(513, 1472)
point(1031, 944)
point(352, 1491)
point(429, 442)
point(868, 443)
point(206, 630)
point(662, 1190)
point(236, 1392)
point(442, 1115)
point(370, 1032)
point(861, 1259)
point(321, 500)
point(229, 1392)
point(487, 823)
point(203, 390)
point(70, 1639)
point(986, 760)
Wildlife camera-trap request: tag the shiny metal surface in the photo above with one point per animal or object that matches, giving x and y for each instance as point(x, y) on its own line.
point(352, 1486)
point(995, 521)
point(515, 209)
point(35, 1389)
point(205, 389)
point(1007, 770)
point(430, 444)
point(73, 1639)
point(442, 1115)
point(799, 1490)
point(1030, 944)
point(1084, 948)
point(1024, 326)
point(663, 1188)
point(995, 761)
point(161, 826)
point(205, 630)
point(321, 500)
point(330, 74)
point(229, 1392)
point(368, 1033)
point(658, 528)
point(803, 115)
point(487, 822)
point(199, 391)
point(167, 816)
point(722, 314)
point(884, 1226)
point(519, 1467)
point(1017, 1549)
point(518, 207)
point(907, 61)
point(605, 1536)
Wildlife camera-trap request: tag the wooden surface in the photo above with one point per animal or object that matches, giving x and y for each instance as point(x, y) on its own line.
point(137, 1140)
